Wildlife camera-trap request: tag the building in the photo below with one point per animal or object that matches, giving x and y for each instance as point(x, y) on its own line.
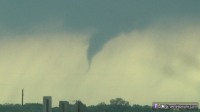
point(80, 107)
point(64, 106)
point(47, 104)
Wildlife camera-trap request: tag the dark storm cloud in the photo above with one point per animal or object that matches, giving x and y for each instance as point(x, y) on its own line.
point(107, 17)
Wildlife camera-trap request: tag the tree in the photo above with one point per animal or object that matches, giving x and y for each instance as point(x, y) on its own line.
point(101, 104)
point(119, 101)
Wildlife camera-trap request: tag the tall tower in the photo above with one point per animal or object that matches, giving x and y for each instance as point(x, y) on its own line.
point(22, 99)
point(47, 103)
point(64, 106)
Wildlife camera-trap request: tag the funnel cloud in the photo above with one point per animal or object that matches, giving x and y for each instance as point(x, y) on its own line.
point(107, 18)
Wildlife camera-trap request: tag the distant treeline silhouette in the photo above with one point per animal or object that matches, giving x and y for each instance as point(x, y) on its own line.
point(116, 105)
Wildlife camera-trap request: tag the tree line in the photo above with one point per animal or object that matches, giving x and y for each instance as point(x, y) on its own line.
point(116, 105)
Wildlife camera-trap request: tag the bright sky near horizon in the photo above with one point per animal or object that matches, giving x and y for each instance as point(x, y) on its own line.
point(143, 51)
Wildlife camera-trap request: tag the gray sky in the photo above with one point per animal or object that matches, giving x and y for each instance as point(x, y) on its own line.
point(143, 51)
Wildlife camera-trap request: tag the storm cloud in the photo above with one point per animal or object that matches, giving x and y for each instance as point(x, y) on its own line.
point(104, 19)
point(132, 47)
